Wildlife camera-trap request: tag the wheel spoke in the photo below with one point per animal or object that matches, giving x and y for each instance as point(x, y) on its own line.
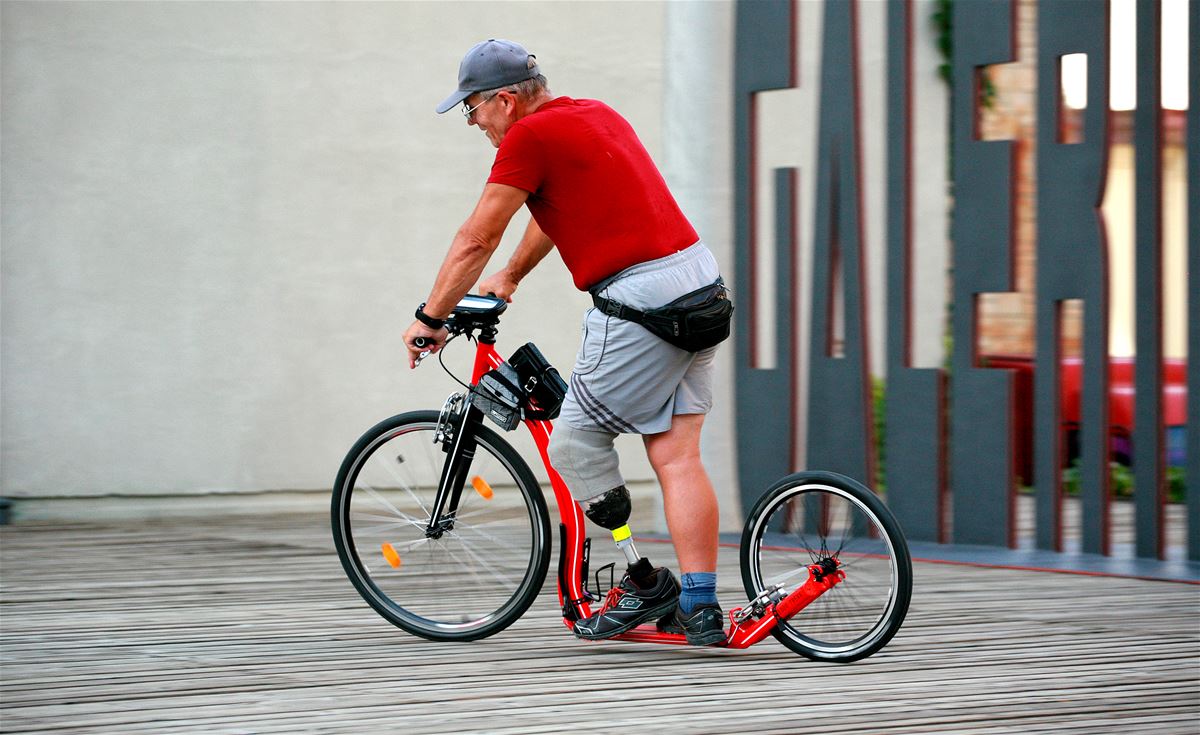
point(407, 487)
point(483, 563)
point(465, 566)
point(403, 519)
point(781, 578)
point(378, 496)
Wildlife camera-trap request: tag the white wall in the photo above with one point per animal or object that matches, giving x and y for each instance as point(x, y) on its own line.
point(698, 166)
point(218, 218)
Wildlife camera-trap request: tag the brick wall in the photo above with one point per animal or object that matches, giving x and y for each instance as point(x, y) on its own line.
point(1008, 321)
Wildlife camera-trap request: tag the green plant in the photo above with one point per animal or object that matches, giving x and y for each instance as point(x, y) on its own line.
point(1070, 479)
point(1122, 483)
point(1176, 484)
point(1120, 479)
point(879, 402)
point(943, 23)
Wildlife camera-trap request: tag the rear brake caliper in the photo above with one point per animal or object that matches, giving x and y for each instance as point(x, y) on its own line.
point(757, 607)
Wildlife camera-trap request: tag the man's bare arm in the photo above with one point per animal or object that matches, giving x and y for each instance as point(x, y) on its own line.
point(473, 246)
point(534, 246)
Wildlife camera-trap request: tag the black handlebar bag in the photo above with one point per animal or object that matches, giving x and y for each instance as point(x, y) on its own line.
point(693, 322)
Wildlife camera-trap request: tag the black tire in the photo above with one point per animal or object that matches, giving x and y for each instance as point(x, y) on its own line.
point(469, 583)
point(810, 516)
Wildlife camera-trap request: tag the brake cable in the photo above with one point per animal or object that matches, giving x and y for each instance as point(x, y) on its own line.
point(442, 362)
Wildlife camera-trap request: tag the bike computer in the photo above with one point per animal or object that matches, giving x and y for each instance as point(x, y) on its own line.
point(481, 305)
point(477, 311)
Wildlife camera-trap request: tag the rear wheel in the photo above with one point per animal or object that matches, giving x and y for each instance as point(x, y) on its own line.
point(468, 581)
point(812, 517)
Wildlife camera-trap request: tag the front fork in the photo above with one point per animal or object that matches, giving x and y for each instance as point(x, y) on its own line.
point(460, 452)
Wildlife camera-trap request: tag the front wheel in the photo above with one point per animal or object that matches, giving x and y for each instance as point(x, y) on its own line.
point(811, 517)
point(462, 582)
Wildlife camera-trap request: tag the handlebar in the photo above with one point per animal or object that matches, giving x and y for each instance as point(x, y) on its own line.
point(472, 313)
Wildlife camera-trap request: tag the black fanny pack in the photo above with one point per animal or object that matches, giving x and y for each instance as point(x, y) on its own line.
point(693, 322)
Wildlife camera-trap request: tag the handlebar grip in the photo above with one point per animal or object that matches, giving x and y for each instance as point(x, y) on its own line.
point(421, 342)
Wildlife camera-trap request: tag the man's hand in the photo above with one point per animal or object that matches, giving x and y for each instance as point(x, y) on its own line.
point(436, 337)
point(533, 247)
point(500, 284)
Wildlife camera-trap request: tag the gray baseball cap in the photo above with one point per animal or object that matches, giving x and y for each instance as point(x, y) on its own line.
point(490, 64)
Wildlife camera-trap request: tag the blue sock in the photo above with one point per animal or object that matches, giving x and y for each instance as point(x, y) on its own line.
point(699, 588)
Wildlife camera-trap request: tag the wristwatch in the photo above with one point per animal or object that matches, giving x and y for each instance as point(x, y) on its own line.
point(428, 320)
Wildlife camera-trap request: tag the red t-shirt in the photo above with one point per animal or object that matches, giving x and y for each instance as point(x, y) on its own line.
point(593, 188)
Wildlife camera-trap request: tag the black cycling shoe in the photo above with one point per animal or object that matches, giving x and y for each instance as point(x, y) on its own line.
point(704, 627)
point(628, 606)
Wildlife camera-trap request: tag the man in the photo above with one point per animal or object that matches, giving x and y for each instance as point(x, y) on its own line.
point(596, 195)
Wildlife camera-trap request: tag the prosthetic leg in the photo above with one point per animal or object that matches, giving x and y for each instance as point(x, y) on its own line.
point(645, 593)
point(611, 511)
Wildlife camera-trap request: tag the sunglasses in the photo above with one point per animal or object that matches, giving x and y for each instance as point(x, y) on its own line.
point(469, 112)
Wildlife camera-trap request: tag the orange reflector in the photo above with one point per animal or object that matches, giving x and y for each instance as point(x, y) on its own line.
point(392, 557)
point(481, 487)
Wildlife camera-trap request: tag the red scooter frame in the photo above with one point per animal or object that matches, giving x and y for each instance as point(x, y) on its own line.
point(747, 627)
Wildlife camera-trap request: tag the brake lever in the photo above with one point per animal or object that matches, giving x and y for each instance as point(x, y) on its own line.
point(420, 342)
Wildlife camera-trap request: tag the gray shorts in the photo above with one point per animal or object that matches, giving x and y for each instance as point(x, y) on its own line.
point(626, 380)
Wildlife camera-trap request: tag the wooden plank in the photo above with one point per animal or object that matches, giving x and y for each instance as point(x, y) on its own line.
point(238, 625)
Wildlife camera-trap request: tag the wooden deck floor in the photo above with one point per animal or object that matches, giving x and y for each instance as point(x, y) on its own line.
point(243, 626)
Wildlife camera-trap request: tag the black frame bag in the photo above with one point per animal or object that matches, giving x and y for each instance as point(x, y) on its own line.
point(540, 381)
point(693, 322)
point(499, 396)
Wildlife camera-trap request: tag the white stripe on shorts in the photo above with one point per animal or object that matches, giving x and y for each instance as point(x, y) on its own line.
point(626, 380)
